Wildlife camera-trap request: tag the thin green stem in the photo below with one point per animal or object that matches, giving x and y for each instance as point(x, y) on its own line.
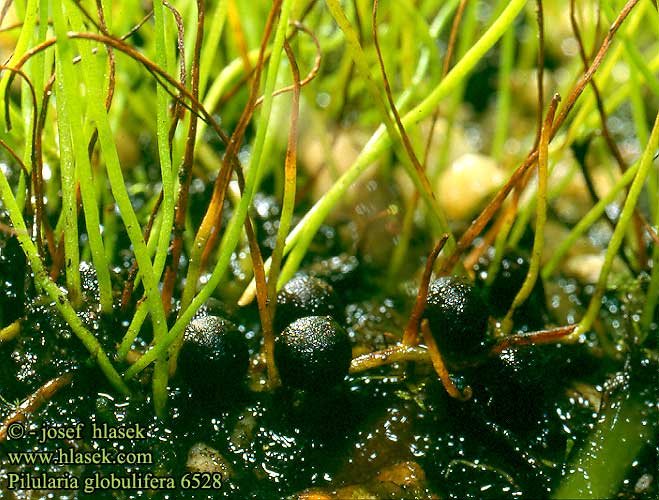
point(230, 72)
point(400, 251)
point(621, 228)
point(74, 114)
point(467, 32)
point(288, 206)
point(504, 94)
point(232, 233)
point(133, 330)
point(639, 117)
point(208, 230)
point(117, 183)
point(591, 477)
point(524, 213)
point(634, 54)
point(651, 297)
point(587, 117)
point(587, 221)
point(541, 218)
point(164, 153)
point(68, 183)
point(161, 372)
point(500, 244)
point(210, 50)
point(301, 236)
point(10, 332)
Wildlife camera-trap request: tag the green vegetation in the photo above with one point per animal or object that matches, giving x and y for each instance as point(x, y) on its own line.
point(138, 140)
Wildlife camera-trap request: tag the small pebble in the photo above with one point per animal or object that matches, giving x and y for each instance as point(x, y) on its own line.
point(464, 186)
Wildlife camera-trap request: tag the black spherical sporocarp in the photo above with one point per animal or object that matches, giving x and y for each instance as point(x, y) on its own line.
point(305, 296)
point(214, 357)
point(457, 316)
point(313, 353)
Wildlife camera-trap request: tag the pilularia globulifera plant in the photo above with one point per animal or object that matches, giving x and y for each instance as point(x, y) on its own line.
point(160, 155)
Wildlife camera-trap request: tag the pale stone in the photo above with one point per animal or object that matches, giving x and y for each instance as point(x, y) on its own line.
point(464, 187)
point(203, 458)
point(585, 267)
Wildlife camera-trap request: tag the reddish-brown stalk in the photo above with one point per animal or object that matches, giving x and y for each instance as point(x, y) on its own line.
point(209, 228)
point(239, 34)
point(412, 328)
point(290, 180)
point(35, 401)
point(532, 338)
point(185, 170)
point(129, 284)
point(440, 366)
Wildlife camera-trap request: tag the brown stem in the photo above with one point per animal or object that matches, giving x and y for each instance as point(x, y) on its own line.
point(210, 225)
point(159, 74)
point(312, 73)
point(440, 366)
point(391, 355)
point(410, 334)
point(35, 401)
point(580, 157)
point(540, 18)
point(240, 84)
point(290, 179)
point(136, 28)
point(180, 44)
point(37, 174)
point(129, 285)
point(597, 61)
point(425, 182)
point(489, 238)
point(453, 37)
point(56, 261)
point(532, 338)
point(435, 116)
point(111, 83)
point(185, 170)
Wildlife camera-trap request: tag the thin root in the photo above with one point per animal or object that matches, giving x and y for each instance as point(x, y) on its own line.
point(35, 401)
point(440, 366)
